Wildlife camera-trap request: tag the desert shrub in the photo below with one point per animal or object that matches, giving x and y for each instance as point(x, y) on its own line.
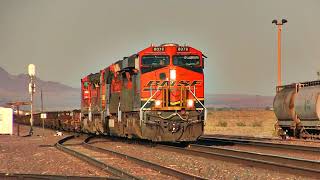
point(240, 123)
point(222, 123)
point(257, 123)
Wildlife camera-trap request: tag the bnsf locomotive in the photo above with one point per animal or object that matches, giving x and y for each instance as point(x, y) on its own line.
point(155, 94)
point(297, 108)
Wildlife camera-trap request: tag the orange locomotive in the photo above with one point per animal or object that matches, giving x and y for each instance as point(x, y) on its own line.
point(156, 94)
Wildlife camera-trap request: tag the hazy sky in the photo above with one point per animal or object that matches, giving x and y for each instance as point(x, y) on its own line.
point(67, 39)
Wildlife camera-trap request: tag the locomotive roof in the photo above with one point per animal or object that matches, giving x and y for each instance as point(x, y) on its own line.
point(150, 49)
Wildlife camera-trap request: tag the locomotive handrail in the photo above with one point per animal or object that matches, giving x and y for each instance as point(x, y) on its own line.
point(141, 109)
point(205, 109)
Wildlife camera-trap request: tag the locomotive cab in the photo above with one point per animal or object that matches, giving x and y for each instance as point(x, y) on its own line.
point(172, 94)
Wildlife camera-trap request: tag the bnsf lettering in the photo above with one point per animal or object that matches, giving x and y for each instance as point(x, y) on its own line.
point(173, 83)
point(195, 83)
point(153, 83)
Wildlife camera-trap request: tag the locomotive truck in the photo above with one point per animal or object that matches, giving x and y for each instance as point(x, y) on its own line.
point(297, 108)
point(155, 94)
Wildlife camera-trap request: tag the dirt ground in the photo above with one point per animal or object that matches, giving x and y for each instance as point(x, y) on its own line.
point(257, 123)
point(36, 155)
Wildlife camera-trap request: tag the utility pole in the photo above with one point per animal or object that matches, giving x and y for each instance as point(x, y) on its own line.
point(279, 26)
point(32, 88)
point(41, 114)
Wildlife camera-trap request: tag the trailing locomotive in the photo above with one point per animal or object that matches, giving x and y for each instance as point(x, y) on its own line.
point(297, 108)
point(155, 94)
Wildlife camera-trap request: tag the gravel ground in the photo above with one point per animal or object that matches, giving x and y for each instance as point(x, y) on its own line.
point(34, 155)
point(207, 168)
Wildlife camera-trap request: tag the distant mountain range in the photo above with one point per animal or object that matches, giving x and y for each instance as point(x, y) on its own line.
point(238, 101)
point(57, 96)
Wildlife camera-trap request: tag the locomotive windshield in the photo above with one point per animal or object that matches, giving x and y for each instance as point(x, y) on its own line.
point(154, 61)
point(186, 60)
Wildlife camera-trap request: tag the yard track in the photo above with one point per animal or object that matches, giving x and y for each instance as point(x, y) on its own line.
point(285, 164)
point(157, 167)
point(9, 176)
point(117, 172)
point(257, 143)
point(274, 162)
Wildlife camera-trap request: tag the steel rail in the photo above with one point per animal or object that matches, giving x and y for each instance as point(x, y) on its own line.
point(157, 167)
point(277, 146)
point(261, 138)
point(46, 176)
point(278, 163)
point(105, 167)
point(309, 164)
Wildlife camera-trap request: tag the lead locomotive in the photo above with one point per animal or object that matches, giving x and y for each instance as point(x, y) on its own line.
point(155, 94)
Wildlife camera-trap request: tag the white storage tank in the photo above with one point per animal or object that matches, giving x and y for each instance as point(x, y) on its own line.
point(6, 120)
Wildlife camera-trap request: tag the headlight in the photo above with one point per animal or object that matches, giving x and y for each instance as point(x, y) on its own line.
point(173, 74)
point(157, 103)
point(190, 103)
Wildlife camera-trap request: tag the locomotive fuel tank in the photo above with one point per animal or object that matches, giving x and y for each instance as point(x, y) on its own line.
point(283, 105)
point(307, 106)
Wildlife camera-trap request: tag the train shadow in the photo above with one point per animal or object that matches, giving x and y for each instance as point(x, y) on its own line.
point(214, 143)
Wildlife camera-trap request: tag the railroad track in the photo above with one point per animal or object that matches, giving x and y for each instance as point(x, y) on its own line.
point(284, 164)
point(260, 138)
point(9, 176)
point(117, 173)
point(77, 151)
point(274, 162)
point(256, 143)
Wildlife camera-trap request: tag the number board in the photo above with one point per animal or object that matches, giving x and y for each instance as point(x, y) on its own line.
point(182, 49)
point(158, 49)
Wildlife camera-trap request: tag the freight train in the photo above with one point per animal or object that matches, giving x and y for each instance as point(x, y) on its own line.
point(156, 94)
point(58, 120)
point(297, 108)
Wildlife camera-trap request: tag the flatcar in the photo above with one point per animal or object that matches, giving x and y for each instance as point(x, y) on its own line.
point(297, 108)
point(156, 94)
